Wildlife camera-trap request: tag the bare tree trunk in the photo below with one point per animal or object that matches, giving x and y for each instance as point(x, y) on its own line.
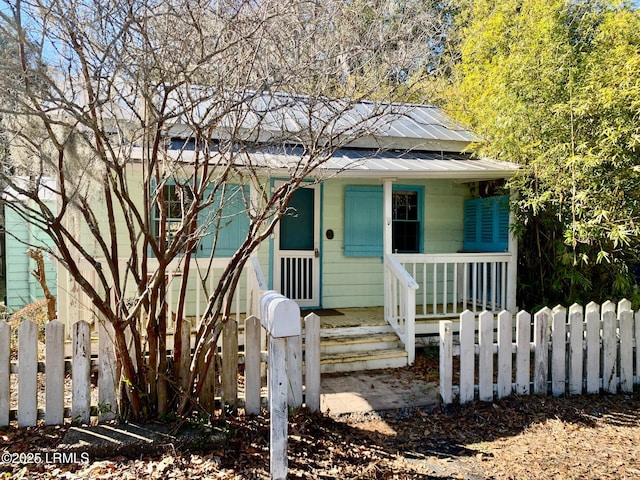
point(40, 275)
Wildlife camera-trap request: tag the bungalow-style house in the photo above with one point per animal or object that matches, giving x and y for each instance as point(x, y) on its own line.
point(404, 228)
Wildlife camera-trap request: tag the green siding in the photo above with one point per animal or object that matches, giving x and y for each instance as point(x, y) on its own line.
point(22, 286)
point(358, 281)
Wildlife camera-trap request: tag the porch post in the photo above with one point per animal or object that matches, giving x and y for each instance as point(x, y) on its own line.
point(512, 271)
point(388, 215)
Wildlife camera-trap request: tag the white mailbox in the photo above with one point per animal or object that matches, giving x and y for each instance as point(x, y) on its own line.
point(279, 315)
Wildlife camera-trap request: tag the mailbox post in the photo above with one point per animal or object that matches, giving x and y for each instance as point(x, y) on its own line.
point(280, 317)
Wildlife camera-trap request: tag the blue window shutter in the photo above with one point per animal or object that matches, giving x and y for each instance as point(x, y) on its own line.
point(502, 222)
point(471, 237)
point(486, 224)
point(233, 223)
point(363, 222)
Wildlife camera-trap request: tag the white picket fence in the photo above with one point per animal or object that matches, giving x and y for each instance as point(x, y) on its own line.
point(28, 367)
point(77, 399)
point(585, 351)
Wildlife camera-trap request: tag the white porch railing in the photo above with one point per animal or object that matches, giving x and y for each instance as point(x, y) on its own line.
point(451, 283)
point(435, 286)
point(400, 303)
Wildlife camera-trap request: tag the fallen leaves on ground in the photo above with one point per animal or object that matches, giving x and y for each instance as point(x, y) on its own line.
point(515, 438)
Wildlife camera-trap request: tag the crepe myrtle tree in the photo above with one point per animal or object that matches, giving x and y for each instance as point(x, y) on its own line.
point(96, 96)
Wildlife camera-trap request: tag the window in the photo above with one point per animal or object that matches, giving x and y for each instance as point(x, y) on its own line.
point(225, 223)
point(406, 221)
point(177, 200)
point(364, 223)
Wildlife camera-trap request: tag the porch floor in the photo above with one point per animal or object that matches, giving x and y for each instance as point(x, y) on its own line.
point(349, 317)
point(354, 317)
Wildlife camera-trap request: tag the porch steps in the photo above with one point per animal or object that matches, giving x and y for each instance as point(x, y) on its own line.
point(357, 349)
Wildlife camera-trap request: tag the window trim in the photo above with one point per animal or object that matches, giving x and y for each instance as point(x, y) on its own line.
point(419, 189)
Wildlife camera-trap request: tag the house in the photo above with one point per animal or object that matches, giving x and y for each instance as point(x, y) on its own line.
point(403, 218)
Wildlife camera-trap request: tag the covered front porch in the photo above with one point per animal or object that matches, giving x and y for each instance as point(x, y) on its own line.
point(420, 290)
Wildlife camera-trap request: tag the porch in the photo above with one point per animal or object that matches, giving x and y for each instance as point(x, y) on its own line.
point(419, 290)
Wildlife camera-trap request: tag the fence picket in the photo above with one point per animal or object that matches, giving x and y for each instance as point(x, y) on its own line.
point(467, 356)
point(5, 371)
point(81, 372)
point(558, 351)
point(593, 348)
point(252, 365)
point(54, 380)
point(637, 337)
point(27, 374)
point(485, 360)
point(505, 354)
point(609, 348)
point(107, 372)
point(277, 408)
point(523, 353)
point(312, 362)
point(230, 364)
point(626, 350)
point(446, 361)
point(541, 357)
point(294, 371)
point(576, 351)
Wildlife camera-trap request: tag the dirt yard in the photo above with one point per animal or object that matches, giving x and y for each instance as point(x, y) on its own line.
point(595, 437)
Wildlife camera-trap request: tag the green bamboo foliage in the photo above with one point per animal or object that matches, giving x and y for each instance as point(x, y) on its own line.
point(554, 86)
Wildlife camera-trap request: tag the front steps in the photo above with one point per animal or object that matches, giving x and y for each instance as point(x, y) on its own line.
point(360, 348)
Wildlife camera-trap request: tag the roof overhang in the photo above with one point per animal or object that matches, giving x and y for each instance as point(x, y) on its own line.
point(406, 165)
point(365, 163)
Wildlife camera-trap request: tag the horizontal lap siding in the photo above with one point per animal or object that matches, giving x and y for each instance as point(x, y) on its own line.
point(358, 281)
point(444, 217)
point(17, 261)
point(22, 286)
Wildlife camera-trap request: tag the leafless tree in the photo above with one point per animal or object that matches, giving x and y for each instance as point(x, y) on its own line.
point(96, 97)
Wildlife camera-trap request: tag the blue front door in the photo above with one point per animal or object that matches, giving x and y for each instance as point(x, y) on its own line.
point(296, 249)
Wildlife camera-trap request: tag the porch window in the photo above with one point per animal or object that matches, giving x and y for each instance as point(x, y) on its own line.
point(177, 200)
point(407, 220)
point(225, 223)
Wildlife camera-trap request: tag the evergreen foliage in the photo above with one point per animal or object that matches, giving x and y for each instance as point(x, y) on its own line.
point(555, 87)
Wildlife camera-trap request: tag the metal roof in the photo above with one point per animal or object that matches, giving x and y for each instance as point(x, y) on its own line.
point(360, 163)
point(278, 115)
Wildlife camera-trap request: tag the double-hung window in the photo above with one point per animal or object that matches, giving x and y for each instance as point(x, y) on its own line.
point(176, 200)
point(407, 221)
